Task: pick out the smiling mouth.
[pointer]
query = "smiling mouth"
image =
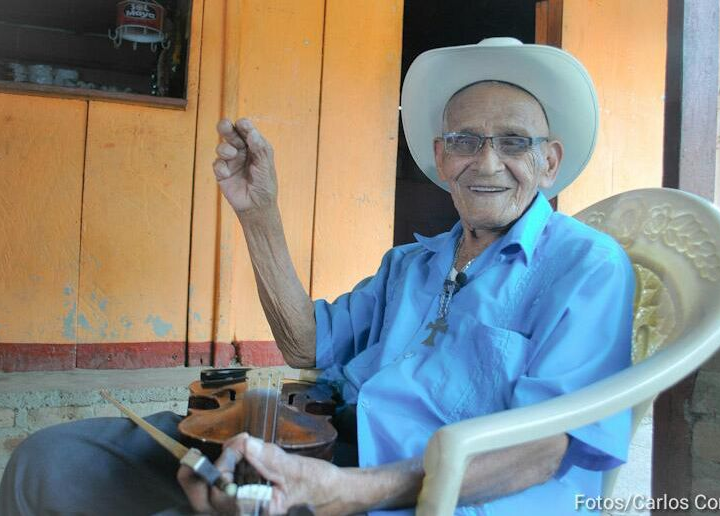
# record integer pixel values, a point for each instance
(487, 189)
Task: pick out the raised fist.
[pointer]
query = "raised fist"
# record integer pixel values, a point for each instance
(244, 168)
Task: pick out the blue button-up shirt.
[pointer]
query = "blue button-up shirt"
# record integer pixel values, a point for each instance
(546, 310)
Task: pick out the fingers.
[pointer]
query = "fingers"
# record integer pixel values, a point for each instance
(266, 458)
(195, 489)
(208, 500)
(221, 169)
(226, 151)
(227, 463)
(243, 139)
(226, 129)
(256, 143)
(237, 134)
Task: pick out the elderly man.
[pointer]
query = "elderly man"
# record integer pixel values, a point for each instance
(515, 305)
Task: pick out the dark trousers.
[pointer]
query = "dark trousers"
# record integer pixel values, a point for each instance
(108, 466)
(102, 466)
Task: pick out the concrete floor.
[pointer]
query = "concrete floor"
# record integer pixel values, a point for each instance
(635, 477)
(29, 401)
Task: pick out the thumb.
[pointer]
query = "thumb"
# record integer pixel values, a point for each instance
(266, 458)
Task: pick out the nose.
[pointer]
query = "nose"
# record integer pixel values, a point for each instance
(487, 159)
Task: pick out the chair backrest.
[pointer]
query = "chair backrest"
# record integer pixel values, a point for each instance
(671, 238)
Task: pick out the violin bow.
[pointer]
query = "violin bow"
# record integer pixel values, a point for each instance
(191, 457)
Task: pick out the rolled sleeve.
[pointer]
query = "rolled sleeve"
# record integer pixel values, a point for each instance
(588, 340)
(353, 321)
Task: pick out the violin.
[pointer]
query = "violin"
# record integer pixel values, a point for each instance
(295, 415)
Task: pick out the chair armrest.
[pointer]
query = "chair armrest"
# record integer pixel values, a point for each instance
(452, 446)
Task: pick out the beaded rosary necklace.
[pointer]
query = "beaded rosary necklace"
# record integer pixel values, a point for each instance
(452, 284)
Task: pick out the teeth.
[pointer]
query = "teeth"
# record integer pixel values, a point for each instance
(487, 188)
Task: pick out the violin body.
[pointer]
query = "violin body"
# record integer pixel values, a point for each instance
(298, 422)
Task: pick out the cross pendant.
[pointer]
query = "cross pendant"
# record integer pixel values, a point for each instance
(438, 326)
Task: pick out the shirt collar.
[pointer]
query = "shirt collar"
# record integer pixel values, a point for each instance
(525, 233)
(522, 236)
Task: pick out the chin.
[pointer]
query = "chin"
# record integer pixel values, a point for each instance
(495, 222)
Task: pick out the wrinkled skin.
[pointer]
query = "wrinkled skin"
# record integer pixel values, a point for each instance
(296, 480)
(495, 109)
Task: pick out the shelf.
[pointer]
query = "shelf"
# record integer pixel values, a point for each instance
(73, 34)
(85, 94)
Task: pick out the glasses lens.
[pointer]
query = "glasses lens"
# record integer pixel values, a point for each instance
(512, 145)
(461, 144)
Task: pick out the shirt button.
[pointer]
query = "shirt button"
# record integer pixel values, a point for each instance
(409, 354)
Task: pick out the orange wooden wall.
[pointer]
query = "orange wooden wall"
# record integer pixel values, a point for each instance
(42, 148)
(111, 227)
(622, 43)
(136, 217)
(355, 198)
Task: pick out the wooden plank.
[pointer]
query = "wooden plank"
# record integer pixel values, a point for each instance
(628, 69)
(554, 23)
(228, 242)
(279, 89)
(204, 238)
(27, 88)
(548, 22)
(689, 164)
(691, 102)
(136, 218)
(42, 145)
(541, 22)
(358, 142)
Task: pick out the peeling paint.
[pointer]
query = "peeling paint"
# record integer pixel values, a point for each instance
(125, 322)
(103, 329)
(196, 316)
(160, 327)
(83, 322)
(103, 304)
(69, 322)
(68, 290)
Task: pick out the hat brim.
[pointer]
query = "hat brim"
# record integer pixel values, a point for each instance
(553, 76)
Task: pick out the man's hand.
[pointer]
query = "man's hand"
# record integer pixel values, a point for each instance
(245, 168)
(295, 480)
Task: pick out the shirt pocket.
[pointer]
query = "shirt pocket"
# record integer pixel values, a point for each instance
(475, 370)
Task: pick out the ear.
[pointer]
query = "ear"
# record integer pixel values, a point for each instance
(439, 148)
(554, 155)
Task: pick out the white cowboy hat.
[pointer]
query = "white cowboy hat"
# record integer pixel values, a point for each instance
(554, 77)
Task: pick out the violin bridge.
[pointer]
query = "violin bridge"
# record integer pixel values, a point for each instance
(265, 378)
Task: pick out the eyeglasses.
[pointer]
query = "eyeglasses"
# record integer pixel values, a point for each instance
(465, 144)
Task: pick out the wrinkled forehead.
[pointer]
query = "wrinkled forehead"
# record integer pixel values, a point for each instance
(510, 89)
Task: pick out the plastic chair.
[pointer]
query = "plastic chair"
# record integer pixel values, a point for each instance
(671, 238)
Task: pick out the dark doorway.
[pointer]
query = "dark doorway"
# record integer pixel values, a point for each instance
(420, 206)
